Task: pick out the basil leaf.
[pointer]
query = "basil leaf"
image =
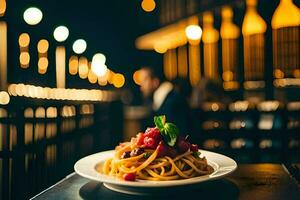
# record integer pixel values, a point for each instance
(159, 122)
(172, 133)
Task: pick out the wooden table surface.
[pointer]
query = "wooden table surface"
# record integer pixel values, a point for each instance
(249, 181)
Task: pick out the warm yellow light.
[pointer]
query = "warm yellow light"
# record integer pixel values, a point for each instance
(83, 68)
(43, 63)
(210, 34)
(102, 80)
(160, 47)
(137, 77)
(278, 73)
(99, 58)
(92, 77)
(73, 65)
(51, 112)
(4, 98)
(228, 29)
(60, 66)
(148, 5)
(118, 80)
(61, 33)
(287, 14)
(99, 70)
(24, 58)
(98, 64)
(33, 16)
(193, 32)
(43, 46)
(253, 23)
(110, 76)
(2, 7)
(79, 46)
(24, 40)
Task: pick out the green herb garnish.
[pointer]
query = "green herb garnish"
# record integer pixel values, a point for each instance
(169, 131)
(196, 154)
(146, 155)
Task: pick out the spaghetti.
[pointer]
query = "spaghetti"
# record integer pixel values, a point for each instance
(149, 157)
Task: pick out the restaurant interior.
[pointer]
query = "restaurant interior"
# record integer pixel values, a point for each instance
(71, 74)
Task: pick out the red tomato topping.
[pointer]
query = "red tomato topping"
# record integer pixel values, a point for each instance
(182, 144)
(129, 177)
(194, 147)
(140, 139)
(152, 138)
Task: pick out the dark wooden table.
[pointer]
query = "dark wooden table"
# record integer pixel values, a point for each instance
(251, 181)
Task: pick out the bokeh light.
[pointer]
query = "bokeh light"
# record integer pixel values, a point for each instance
(24, 59)
(61, 33)
(137, 77)
(98, 64)
(118, 80)
(83, 68)
(73, 65)
(33, 16)
(2, 7)
(43, 46)
(43, 63)
(4, 98)
(148, 5)
(193, 32)
(24, 40)
(79, 46)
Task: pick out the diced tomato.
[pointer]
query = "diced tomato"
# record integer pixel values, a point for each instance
(182, 144)
(194, 147)
(152, 132)
(129, 177)
(152, 138)
(140, 139)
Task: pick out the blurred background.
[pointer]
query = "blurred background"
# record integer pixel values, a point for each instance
(78, 77)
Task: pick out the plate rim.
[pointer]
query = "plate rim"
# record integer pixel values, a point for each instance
(219, 173)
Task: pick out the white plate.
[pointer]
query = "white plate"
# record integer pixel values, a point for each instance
(85, 167)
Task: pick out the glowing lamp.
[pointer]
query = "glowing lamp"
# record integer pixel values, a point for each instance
(61, 33)
(79, 46)
(33, 16)
(98, 64)
(193, 32)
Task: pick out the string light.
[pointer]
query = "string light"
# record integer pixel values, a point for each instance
(38, 92)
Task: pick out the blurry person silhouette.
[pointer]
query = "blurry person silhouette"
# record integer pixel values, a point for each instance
(165, 98)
